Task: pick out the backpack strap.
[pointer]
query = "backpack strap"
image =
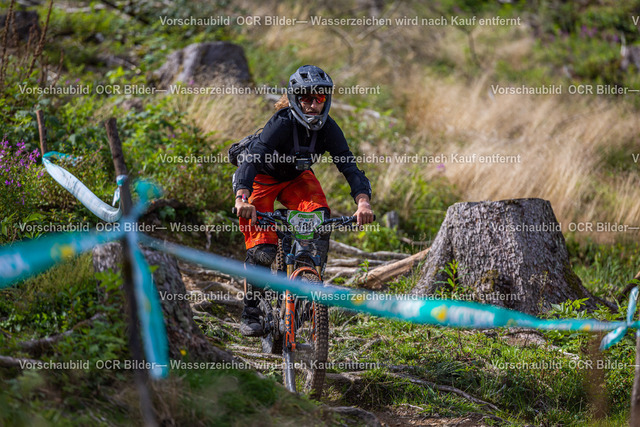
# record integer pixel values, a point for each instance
(296, 142)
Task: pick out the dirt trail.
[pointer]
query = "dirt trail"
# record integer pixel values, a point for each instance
(220, 295)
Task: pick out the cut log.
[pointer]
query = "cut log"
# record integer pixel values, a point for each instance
(509, 253)
(378, 276)
(335, 272)
(182, 331)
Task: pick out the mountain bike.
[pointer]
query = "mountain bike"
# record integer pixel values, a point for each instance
(296, 327)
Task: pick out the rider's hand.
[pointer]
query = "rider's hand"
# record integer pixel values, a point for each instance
(364, 212)
(246, 210)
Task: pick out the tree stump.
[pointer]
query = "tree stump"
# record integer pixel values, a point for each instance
(182, 332)
(509, 253)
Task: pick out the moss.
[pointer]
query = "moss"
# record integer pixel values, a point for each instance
(490, 277)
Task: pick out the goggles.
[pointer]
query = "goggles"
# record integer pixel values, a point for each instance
(308, 99)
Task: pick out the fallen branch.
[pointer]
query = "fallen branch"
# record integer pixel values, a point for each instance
(346, 338)
(344, 377)
(411, 242)
(260, 355)
(375, 278)
(446, 389)
(354, 377)
(353, 262)
(12, 362)
(340, 271)
(37, 347)
(350, 250)
(250, 363)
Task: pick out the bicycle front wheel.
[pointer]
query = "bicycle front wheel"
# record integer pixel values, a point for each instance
(312, 341)
(272, 308)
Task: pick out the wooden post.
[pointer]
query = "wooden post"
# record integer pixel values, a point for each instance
(635, 395)
(43, 132)
(135, 344)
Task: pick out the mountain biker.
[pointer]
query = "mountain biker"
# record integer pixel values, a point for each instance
(277, 167)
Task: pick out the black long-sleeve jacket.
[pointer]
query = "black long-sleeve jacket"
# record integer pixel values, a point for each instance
(273, 153)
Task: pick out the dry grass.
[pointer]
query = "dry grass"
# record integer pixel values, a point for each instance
(558, 138)
(228, 117)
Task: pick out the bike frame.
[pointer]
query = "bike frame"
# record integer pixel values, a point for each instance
(300, 261)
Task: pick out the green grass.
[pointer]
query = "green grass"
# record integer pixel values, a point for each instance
(67, 294)
(527, 383)
(604, 269)
(478, 363)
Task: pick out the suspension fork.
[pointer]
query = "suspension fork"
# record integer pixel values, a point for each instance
(290, 307)
(289, 315)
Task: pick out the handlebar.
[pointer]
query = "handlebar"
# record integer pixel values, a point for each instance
(273, 217)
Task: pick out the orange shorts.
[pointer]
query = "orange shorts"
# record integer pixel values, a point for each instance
(304, 194)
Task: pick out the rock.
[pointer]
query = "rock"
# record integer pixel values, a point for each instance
(200, 63)
(132, 104)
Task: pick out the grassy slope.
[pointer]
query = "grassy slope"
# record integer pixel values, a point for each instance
(430, 110)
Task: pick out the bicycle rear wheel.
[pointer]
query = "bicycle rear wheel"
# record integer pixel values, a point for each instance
(312, 341)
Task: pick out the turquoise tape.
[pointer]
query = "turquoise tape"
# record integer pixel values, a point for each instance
(80, 191)
(146, 191)
(614, 337)
(29, 258)
(58, 155)
(25, 259)
(459, 314)
(154, 334)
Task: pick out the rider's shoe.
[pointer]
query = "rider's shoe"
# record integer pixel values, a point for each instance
(251, 325)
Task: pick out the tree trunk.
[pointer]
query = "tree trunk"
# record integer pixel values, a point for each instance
(509, 253)
(377, 277)
(182, 332)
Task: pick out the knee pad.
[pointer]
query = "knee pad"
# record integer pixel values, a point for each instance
(263, 254)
